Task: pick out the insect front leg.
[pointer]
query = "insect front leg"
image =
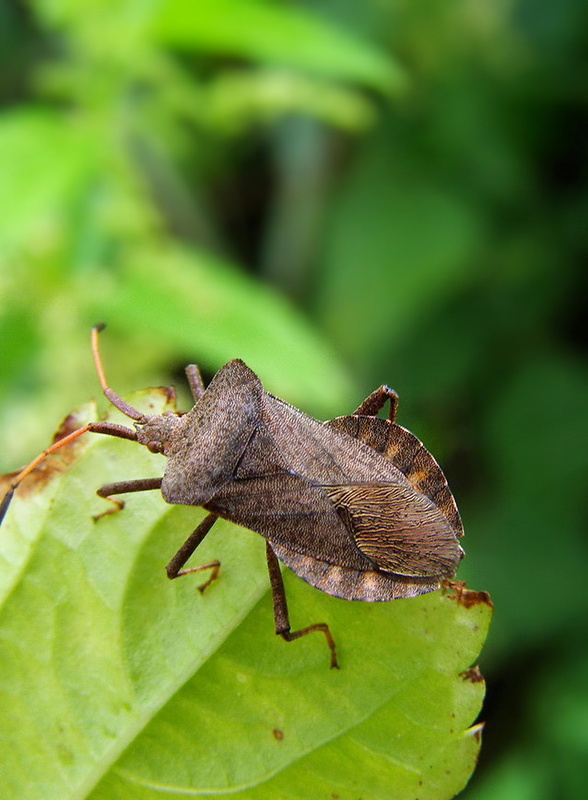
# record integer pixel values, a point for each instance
(122, 487)
(195, 381)
(281, 618)
(174, 568)
(375, 401)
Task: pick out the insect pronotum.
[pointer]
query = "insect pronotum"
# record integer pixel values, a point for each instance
(356, 505)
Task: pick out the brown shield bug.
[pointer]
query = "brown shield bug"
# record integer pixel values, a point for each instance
(356, 505)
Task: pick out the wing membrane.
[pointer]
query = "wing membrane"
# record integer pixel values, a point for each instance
(398, 529)
(408, 454)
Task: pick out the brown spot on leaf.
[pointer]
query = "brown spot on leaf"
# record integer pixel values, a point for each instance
(168, 393)
(458, 591)
(473, 675)
(68, 425)
(150, 399)
(278, 734)
(52, 464)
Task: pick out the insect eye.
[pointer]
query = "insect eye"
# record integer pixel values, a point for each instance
(155, 447)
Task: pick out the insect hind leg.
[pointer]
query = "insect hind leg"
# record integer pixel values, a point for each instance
(375, 401)
(281, 618)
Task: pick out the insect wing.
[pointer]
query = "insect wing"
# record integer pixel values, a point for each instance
(398, 529)
(408, 454)
(293, 511)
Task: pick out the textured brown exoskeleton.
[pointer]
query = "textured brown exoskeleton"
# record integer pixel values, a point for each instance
(356, 506)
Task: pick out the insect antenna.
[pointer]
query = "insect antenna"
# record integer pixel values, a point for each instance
(20, 476)
(108, 428)
(112, 396)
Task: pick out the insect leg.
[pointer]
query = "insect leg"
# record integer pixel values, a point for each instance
(140, 485)
(281, 618)
(195, 381)
(376, 401)
(174, 568)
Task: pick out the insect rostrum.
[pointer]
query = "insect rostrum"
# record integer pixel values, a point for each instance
(355, 505)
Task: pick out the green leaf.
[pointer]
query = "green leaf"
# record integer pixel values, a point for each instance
(237, 99)
(277, 34)
(116, 683)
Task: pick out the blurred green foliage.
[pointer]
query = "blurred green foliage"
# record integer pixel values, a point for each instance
(343, 194)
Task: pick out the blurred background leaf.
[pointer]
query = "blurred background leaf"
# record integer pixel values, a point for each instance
(277, 33)
(344, 194)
